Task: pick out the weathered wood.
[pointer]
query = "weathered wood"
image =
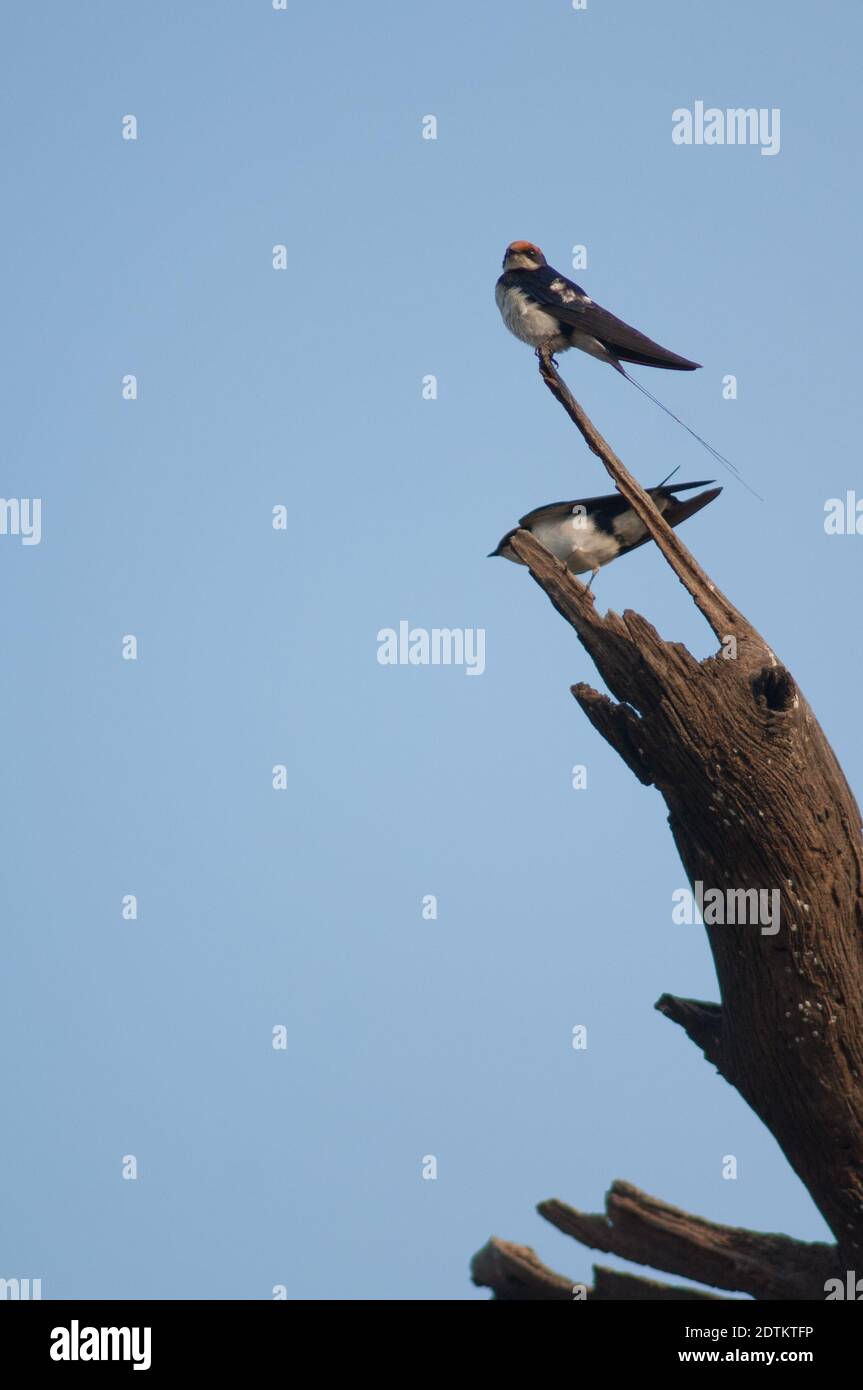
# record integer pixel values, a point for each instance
(640, 1228)
(756, 801)
(516, 1273)
(616, 1286)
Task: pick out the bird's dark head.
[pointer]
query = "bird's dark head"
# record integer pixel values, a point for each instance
(504, 549)
(523, 255)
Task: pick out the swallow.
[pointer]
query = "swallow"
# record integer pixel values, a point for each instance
(591, 532)
(542, 307)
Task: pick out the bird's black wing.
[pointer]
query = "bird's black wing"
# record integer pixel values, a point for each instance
(613, 503)
(569, 303)
(603, 511)
(669, 489)
(678, 511)
(611, 506)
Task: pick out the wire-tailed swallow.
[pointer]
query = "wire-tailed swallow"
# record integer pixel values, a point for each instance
(545, 309)
(589, 533)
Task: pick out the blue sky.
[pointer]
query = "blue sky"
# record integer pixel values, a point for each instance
(256, 388)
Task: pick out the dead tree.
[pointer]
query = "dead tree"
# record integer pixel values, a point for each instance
(756, 800)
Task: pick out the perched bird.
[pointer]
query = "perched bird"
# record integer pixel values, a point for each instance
(588, 533)
(543, 308)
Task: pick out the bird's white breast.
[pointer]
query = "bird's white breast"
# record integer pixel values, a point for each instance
(576, 541)
(526, 320)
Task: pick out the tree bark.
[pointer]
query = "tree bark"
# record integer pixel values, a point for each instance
(756, 801)
(643, 1229)
(516, 1274)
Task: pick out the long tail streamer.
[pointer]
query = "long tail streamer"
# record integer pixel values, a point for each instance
(720, 458)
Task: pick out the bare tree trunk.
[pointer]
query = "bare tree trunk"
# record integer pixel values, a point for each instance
(756, 801)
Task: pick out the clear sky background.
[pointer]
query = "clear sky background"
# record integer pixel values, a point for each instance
(302, 907)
